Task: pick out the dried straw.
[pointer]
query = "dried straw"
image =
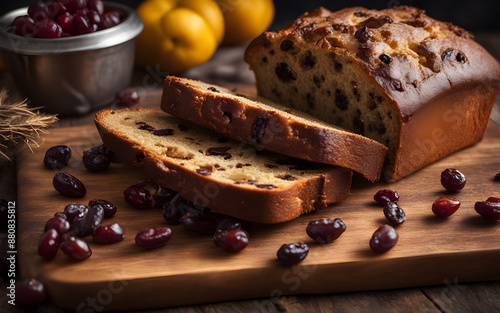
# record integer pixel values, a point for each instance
(21, 124)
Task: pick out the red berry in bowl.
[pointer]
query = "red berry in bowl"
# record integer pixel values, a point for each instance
(291, 254)
(38, 11)
(154, 237)
(110, 19)
(452, 179)
(232, 240)
(47, 29)
(74, 5)
(96, 5)
(445, 206)
(127, 97)
(385, 196)
(66, 21)
(24, 26)
(49, 244)
(30, 293)
(383, 239)
(325, 230)
(489, 209)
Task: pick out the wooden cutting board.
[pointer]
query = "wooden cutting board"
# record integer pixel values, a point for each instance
(190, 269)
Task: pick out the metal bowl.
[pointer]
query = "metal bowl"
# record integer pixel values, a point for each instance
(72, 75)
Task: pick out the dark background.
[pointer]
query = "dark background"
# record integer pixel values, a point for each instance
(472, 15)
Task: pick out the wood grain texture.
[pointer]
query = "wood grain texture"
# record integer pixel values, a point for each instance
(190, 269)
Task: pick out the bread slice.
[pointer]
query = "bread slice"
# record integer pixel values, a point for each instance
(268, 125)
(421, 87)
(226, 176)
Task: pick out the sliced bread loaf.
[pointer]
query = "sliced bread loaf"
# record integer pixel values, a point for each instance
(268, 125)
(226, 176)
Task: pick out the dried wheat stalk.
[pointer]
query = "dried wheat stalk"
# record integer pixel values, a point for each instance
(21, 124)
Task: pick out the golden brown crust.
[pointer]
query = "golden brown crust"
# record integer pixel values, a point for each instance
(237, 117)
(240, 201)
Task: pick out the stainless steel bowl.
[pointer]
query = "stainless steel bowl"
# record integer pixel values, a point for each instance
(72, 75)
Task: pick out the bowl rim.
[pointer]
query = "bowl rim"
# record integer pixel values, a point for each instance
(130, 27)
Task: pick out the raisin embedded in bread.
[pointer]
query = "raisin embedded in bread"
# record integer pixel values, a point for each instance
(422, 87)
(213, 171)
(271, 126)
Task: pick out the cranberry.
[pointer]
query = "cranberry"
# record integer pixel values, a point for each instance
(97, 6)
(49, 244)
(127, 97)
(68, 185)
(74, 5)
(290, 254)
(325, 230)
(385, 196)
(30, 293)
(110, 19)
(91, 220)
(154, 237)
(232, 240)
(59, 224)
(201, 224)
(102, 150)
(82, 25)
(96, 162)
(74, 210)
(229, 223)
(47, 29)
(108, 234)
(24, 26)
(75, 248)
(66, 21)
(177, 208)
(108, 208)
(383, 239)
(445, 206)
(138, 197)
(489, 209)
(163, 196)
(38, 11)
(57, 157)
(493, 199)
(394, 213)
(452, 179)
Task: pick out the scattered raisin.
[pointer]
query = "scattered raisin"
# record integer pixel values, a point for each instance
(325, 230)
(384, 196)
(108, 208)
(452, 179)
(153, 238)
(232, 240)
(68, 185)
(291, 254)
(445, 206)
(200, 224)
(394, 213)
(57, 157)
(30, 293)
(383, 239)
(96, 162)
(489, 209)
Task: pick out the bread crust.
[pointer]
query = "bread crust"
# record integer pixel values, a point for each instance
(240, 201)
(284, 133)
(431, 62)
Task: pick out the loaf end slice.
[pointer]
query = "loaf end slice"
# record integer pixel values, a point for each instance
(213, 171)
(422, 87)
(268, 125)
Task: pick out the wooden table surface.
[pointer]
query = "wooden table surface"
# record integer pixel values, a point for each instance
(227, 68)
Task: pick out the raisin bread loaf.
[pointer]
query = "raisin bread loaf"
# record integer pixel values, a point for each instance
(268, 125)
(226, 176)
(422, 87)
